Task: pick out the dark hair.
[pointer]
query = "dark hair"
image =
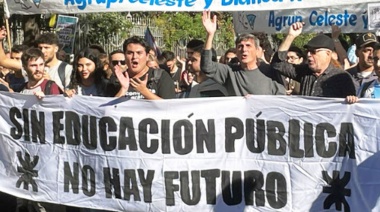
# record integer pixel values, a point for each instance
(376, 47)
(199, 49)
(161, 60)
(195, 43)
(47, 38)
(168, 55)
(31, 53)
(265, 45)
(136, 40)
(297, 50)
(93, 56)
(117, 51)
(230, 50)
(19, 48)
(98, 49)
(104, 59)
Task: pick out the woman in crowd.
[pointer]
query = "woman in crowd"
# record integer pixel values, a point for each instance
(87, 75)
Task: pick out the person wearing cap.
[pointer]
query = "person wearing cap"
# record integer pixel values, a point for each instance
(318, 77)
(243, 78)
(370, 89)
(363, 72)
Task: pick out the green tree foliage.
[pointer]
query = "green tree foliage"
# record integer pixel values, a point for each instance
(226, 32)
(104, 25)
(185, 26)
(180, 27)
(300, 41)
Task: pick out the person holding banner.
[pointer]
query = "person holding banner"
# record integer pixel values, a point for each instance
(56, 70)
(242, 79)
(87, 75)
(34, 64)
(363, 71)
(318, 77)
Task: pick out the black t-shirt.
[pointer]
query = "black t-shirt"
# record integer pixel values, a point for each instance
(159, 82)
(3, 87)
(208, 88)
(112, 86)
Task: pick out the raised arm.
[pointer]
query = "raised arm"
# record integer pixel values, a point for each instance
(340, 51)
(209, 23)
(294, 31)
(279, 61)
(217, 71)
(4, 60)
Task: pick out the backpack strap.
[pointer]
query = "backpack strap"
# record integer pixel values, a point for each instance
(47, 89)
(61, 73)
(157, 73)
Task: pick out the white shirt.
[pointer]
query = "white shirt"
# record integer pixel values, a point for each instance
(54, 75)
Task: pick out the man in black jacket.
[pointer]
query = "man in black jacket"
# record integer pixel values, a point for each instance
(318, 77)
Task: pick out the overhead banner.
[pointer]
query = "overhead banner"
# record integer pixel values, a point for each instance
(95, 6)
(260, 153)
(350, 18)
(374, 16)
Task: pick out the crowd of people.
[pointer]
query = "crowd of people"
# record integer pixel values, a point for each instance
(322, 70)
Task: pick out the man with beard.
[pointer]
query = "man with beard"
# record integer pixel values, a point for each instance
(370, 89)
(56, 70)
(140, 81)
(33, 63)
(318, 77)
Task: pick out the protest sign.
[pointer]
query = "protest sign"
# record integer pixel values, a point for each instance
(223, 154)
(350, 18)
(66, 29)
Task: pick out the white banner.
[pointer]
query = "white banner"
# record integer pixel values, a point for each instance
(261, 153)
(350, 18)
(94, 6)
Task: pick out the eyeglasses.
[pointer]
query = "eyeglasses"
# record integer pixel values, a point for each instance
(116, 62)
(314, 51)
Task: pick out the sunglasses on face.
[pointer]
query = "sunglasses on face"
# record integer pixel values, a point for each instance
(116, 62)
